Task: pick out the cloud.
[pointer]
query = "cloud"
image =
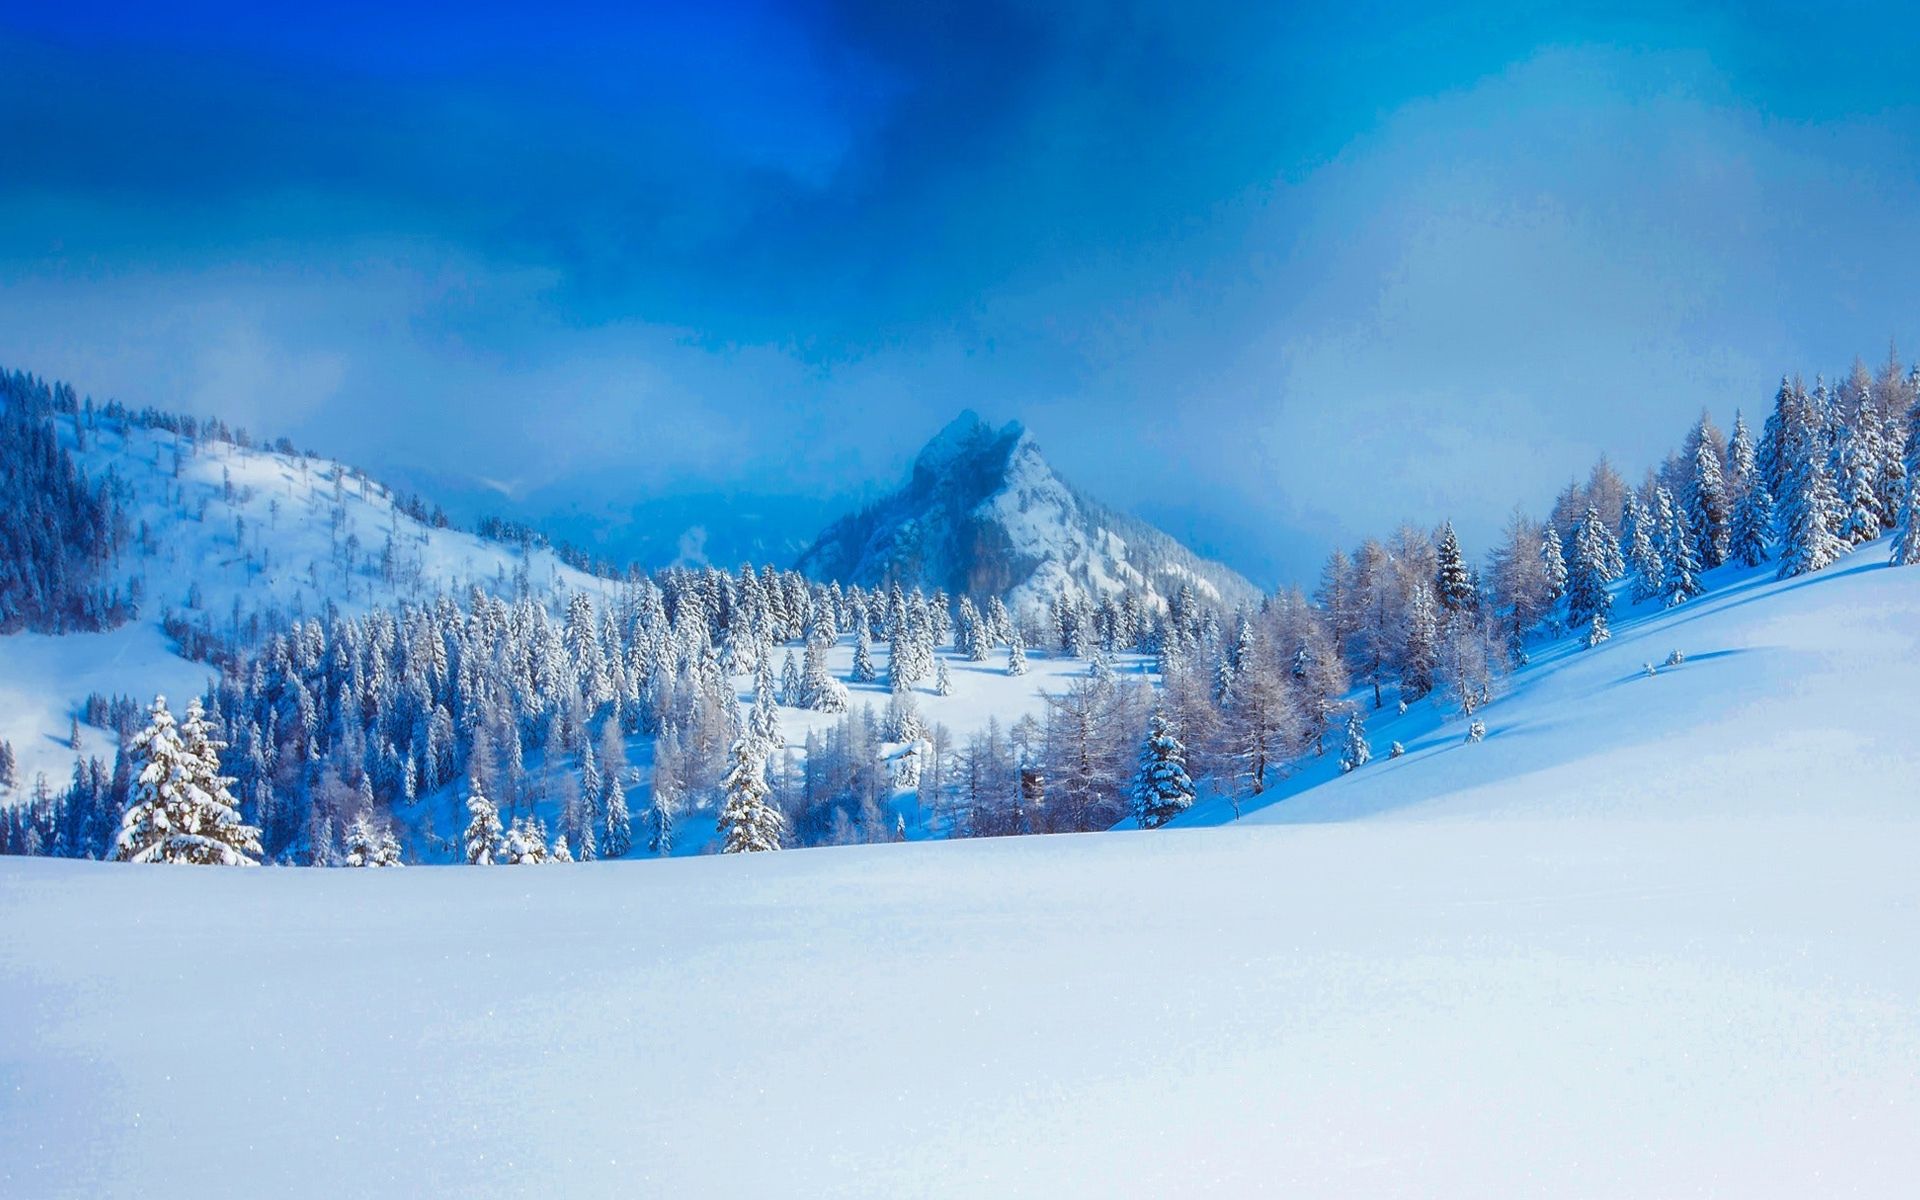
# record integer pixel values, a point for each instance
(1274, 278)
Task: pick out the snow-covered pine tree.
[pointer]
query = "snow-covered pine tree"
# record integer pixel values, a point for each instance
(1808, 507)
(1682, 580)
(371, 843)
(763, 720)
(1355, 752)
(1906, 534)
(1742, 459)
(1597, 630)
(525, 844)
(1643, 559)
(1588, 573)
(824, 693)
(1752, 525)
(1453, 583)
(616, 831)
(181, 811)
(792, 692)
(664, 805)
(1707, 509)
(863, 668)
(1017, 655)
(1555, 563)
(1163, 789)
(1750, 528)
(942, 679)
(999, 621)
(1857, 471)
(618, 838)
(484, 833)
(748, 822)
(902, 721)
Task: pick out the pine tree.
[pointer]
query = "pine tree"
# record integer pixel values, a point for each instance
(1649, 569)
(1808, 506)
(484, 833)
(1682, 581)
(763, 720)
(1588, 573)
(371, 843)
(863, 669)
(182, 811)
(823, 692)
(1555, 563)
(748, 822)
(1162, 790)
(1752, 525)
(792, 692)
(942, 679)
(524, 845)
(1355, 752)
(1453, 584)
(1857, 468)
(1707, 508)
(1906, 534)
(1017, 655)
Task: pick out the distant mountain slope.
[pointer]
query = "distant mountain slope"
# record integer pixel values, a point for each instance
(224, 538)
(982, 513)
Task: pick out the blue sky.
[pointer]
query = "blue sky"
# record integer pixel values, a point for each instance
(1274, 279)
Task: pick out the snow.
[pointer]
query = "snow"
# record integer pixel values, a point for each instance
(982, 691)
(286, 557)
(983, 511)
(1654, 936)
(1790, 689)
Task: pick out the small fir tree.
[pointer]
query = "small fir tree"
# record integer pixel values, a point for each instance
(484, 832)
(182, 811)
(748, 821)
(1163, 789)
(1355, 752)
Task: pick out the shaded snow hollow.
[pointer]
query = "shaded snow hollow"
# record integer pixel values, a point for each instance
(1655, 936)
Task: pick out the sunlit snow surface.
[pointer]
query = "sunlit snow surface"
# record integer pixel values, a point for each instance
(1657, 936)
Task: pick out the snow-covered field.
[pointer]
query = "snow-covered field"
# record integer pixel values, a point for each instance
(1654, 937)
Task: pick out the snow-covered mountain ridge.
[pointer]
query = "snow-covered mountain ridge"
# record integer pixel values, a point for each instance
(983, 514)
(225, 539)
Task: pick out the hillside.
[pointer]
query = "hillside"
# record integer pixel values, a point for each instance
(1652, 937)
(983, 514)
(224, 539)
(1789, 693)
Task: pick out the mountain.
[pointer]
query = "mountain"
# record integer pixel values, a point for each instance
(982, 513)
(228, 538)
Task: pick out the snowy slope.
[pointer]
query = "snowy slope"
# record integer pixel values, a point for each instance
(1655, 936)
(234, 531)
(983, 514)
(1789, 690)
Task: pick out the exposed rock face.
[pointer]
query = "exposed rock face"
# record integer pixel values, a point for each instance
(983, 514)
